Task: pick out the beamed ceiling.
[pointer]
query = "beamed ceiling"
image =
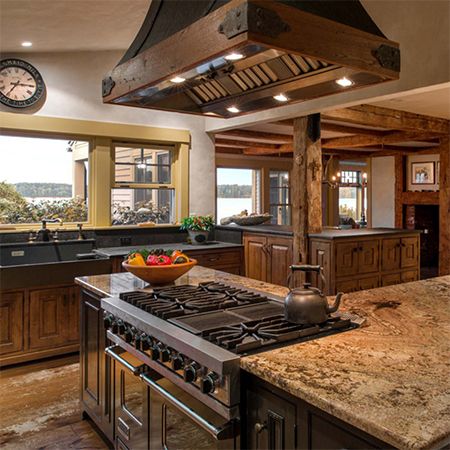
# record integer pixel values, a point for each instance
(357, 132)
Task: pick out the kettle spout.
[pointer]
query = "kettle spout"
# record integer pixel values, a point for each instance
(336, 303)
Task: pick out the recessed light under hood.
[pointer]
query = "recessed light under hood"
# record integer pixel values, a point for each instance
(300, 48)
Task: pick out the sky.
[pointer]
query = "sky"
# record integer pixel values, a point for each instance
(234, 176)
(34, 160)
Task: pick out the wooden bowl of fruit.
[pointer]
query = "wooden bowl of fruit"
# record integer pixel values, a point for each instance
(158, 266)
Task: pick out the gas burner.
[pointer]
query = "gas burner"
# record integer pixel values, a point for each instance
(254, 334)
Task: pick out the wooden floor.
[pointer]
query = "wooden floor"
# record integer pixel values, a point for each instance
(39, 408)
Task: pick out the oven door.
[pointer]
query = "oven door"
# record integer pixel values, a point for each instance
(178, 421)
(131, 401)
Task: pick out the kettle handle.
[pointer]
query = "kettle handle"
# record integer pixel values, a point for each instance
(306, 268)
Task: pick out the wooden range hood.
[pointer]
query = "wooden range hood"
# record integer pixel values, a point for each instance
(292, 47)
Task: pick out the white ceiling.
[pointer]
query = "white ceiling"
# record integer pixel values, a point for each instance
(434, 103)
(70, 25)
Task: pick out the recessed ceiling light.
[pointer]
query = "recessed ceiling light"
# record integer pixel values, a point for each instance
(344, 82)
(280, 98)
(26, 44)
(234, 56)
(233, 109)
(178, 80)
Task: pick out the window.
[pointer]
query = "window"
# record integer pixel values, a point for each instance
(352, 195)
(144, 189)
(237, 190)
(280, 205)
(43, 178)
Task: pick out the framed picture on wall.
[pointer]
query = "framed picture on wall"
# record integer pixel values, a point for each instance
(422, 172)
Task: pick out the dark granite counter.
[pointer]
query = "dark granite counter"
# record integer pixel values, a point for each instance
(360, 232)
(283, 230)
(389, 378)
(123, 251)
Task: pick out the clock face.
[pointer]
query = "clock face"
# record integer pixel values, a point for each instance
(21, 85)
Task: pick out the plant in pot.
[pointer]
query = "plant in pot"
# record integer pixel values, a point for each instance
(198, 228)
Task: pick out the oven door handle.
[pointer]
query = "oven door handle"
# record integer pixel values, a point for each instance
(112, 352)
(218, 433)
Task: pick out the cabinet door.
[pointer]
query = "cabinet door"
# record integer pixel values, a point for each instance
(280, 258)
(48, 321)
(73, 315)
(11, 322)
(255, 257)
(270, 421)
(368, 256)
(320, 254)
(410, 252)
(95, 366)
(346, 259)
(368, 283)
(347, 286)
(390, 254)
(390, 279)
(409, 275)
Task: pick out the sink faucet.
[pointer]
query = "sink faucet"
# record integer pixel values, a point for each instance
(44, 232)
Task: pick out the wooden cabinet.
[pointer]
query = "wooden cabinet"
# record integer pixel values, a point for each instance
(95, 366)
(37, 323)
(271, 421)
(47, 317)
(355, 263)
(274, 419)
(255, 256)
(267, 258)
(11, 322)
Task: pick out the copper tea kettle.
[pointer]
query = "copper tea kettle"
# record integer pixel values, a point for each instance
(308, 305)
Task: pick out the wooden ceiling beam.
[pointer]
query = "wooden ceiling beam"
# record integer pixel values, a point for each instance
(230, 150)
(257, 135)
(390, 119)
(243, 144)
(367, 141)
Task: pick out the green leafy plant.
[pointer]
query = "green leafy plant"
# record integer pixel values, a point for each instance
(15, 209)
(197, 223)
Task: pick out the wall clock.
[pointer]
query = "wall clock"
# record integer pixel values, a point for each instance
(21, 85)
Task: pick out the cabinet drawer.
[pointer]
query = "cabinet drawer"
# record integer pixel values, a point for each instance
(368, 283)
(217, 258)
(347, 286)
(410, 275)
(390, 279)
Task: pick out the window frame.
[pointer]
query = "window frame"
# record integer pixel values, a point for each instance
(137, 185)
(263, 164)
(100, 136)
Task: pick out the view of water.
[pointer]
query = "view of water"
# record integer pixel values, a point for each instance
(230, 206)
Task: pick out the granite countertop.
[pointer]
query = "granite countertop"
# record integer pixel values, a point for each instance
(389, 378)
(123, 251)
(327, 233)
(284, 230)
(359, 232)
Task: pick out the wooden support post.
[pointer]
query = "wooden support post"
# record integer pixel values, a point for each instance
(444, 207)
(399, 183)
(306, 184)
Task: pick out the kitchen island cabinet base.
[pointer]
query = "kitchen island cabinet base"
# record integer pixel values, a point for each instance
(272, 418)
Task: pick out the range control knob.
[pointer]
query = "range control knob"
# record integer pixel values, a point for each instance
(115, 327)
(190, 372)
(164, 353)
(154, 352)
(128, 335)
(177, 362)
(208, 383)
(146, 342)
(108, 320)
(121, 326)
(137, 341)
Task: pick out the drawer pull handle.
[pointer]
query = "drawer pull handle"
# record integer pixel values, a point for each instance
(260, 427)
(214, 259)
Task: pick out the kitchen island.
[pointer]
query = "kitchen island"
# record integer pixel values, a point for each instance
(387, 379)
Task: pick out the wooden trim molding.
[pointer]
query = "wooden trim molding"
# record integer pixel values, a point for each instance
(444, 207)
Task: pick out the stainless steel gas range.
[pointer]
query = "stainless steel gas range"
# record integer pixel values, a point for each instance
(177, 354)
